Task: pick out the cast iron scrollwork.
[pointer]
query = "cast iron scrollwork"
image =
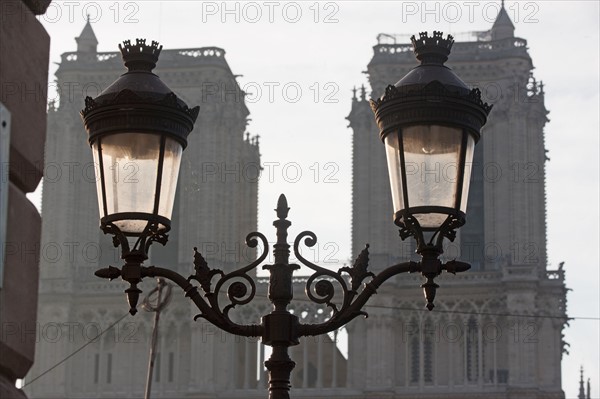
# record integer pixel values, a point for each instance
(151, 233)
(410, 227)
(203, 274)
(322, 281)
(430, 265)
(281, 328)
(358, 272)
(237, 290)
(133, 256)
(322, 278)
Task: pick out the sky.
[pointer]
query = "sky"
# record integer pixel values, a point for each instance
(300, 60)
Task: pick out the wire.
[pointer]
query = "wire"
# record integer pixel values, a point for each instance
(77, 351)
(537, 316)
(437, 310)
(367, 306)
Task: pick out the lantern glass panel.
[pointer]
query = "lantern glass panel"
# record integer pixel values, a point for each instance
(130, 166)
(96, 155)
(431, 162)
(468, 169)
(432, 155)
(395, 170)
(172, 161)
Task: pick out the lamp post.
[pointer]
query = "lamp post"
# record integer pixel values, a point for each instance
(139, 125)
(429, 117)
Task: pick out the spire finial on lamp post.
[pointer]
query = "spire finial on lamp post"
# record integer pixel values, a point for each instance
(432, 49)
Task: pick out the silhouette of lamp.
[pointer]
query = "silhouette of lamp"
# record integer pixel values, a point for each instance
(429, 120)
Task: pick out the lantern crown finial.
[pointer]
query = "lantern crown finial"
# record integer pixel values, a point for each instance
(434, 49)
(140, 56)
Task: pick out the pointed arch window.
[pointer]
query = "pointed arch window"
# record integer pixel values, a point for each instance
(428, 348)
(157, 367)
(171, 372)
(96, 368)
(472, 350)
(415, 359)
(109, 368)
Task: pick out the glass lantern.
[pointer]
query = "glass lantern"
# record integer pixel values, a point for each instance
(430, 122)
(138, 130)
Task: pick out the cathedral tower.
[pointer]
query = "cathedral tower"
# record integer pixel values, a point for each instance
(452, 349)
(215, 207)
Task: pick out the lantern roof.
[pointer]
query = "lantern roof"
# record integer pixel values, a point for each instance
(433, 53)
(139, 84)
(138, 100)
(430, 93)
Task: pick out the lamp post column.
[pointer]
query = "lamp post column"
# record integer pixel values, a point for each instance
(281, 327)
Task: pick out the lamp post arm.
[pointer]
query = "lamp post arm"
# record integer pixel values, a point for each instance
(239, 284)
(281, 328)
(208, 312)
(354, 309)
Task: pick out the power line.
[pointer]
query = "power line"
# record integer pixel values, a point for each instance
(437, 310)
(538, 316)
(77, 351)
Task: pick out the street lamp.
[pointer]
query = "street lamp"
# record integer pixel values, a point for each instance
(138, 130)
(430, 122)
(429, 119)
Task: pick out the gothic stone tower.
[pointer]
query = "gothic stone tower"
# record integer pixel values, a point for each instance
(478, 341)
(216, 206)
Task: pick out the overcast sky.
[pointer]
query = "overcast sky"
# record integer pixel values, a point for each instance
(300, 61)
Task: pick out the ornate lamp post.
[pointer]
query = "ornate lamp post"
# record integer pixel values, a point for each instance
(430, 121)
(139, 126)
(428, 118)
